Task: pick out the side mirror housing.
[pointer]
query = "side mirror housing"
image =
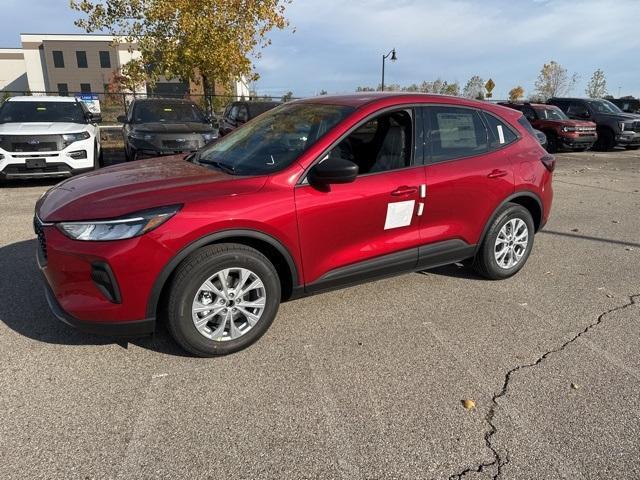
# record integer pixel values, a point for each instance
(333, 171)
(96, 118)
(121, 119)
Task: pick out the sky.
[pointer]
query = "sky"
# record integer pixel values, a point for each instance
(338, 45)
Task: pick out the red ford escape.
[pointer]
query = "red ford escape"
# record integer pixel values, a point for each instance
(314, 195)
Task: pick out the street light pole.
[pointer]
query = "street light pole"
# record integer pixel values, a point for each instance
(392, 53)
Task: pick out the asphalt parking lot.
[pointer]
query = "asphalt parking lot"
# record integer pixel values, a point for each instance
(362, 383)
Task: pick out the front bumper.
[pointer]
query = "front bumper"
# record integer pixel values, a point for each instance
(76, 296)
(27, 165)
(167, 145)
(628, 139)
(579, 142)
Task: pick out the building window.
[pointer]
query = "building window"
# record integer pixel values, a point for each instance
(58, 59)
(105, 59)
(63, 89)
(85, 88)
(81, 56)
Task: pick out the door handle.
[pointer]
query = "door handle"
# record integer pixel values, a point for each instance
(497, 173)
(401, 191)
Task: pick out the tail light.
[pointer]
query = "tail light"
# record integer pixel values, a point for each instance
(549, 161)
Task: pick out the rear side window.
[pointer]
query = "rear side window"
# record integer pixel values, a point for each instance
(499, 133)
(525, 123)
(455, 132)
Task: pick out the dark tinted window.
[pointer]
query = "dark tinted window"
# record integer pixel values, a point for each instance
(500, 133)
(63, 89)
(455, 132)
(382, 144)
(81, 57)
(529, 113)
(243, 114)
(258, 108)
(42, 112)
(273, 141)
(577, 109)
(85, 88)
(525, 123)
(105, 59)
(58, 59)
(167, 112)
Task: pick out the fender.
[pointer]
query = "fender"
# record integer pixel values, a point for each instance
(521, 193)
(168, 269)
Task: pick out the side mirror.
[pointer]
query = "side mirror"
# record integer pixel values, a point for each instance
(333, 170)
(584, 115)
(96, 117)
(121, 119)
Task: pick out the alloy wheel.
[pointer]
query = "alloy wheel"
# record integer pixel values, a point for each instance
(511, 243)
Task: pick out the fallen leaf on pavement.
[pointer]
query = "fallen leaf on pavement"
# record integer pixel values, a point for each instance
(469, 404)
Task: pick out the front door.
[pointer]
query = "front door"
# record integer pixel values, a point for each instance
(367, 228)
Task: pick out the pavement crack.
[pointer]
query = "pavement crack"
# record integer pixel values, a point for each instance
(499, 460)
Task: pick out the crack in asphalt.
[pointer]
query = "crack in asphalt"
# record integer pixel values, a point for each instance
(498, 461)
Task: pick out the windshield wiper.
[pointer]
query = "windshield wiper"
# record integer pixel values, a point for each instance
(225, 167)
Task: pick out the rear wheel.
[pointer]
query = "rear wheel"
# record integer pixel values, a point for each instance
(507, 244)
(130, 154)
(223, 298)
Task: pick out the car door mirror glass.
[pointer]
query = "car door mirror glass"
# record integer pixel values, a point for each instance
(121, 119)
(333, 171)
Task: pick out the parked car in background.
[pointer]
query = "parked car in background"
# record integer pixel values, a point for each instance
(628, 105)
(47, 137)
(162, 126)
(560, 130)
(614, 127)
(343, 186)
(238, 113)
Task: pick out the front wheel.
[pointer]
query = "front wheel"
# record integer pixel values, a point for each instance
(507, 244)
(223, 298)
(552, 142)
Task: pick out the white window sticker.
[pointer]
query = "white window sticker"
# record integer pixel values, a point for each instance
(399, 214)
(500, 134)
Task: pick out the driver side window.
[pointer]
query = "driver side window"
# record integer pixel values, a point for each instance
(381, 144)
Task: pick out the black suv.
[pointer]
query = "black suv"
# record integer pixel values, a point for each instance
(238, 113)
(615, 127)
(629, 105)
(162, 126)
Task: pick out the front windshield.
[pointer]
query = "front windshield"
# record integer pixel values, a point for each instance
(551, 113)
(273, 140)
(31, 112)
(604, 106)
(167, 112)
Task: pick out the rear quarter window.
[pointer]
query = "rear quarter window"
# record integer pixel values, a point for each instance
(455, 132)
(500, 134)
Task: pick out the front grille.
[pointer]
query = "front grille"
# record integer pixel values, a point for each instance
(32, 143)
(42, 238)
(174, 144)
(21, 168)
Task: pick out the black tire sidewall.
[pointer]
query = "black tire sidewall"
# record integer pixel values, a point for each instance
(488, 257)
(184, 290)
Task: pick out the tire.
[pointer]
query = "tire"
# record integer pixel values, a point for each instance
(634, 147)
(188, 291)
(97, 157)
(130, 154)
(606, 140)
(552, 142)
(485, 262)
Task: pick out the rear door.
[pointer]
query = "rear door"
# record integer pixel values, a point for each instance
(468, 174)
(367, 228)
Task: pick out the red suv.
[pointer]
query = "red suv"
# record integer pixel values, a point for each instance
(314, 195)
(561, 131)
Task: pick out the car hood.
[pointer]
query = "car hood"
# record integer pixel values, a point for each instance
(122, 189)
(158, 127)
(41, 128)
(570, 123)
(621, 116)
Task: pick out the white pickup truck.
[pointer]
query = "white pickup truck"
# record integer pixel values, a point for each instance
(47, 137)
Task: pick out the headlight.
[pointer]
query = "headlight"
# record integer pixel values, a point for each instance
(119, 228)
(69, 138)
(140, 135)
(207, 137)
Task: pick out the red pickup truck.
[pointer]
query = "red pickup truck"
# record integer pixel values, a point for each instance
(561, 131)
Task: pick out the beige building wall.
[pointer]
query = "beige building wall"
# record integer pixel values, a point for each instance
(13, 73)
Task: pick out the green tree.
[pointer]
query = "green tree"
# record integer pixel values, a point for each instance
(597, 86)
(287, 96)
(188, 39)
(554, 80)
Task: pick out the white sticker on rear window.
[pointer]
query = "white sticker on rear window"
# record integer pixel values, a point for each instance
(500, 134)
(399, 214)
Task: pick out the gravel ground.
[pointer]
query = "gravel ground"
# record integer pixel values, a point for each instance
(365, 382)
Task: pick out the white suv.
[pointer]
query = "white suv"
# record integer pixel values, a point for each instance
(47, 137)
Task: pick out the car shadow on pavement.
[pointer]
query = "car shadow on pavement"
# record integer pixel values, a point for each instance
(24, 309)
(454, 270)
